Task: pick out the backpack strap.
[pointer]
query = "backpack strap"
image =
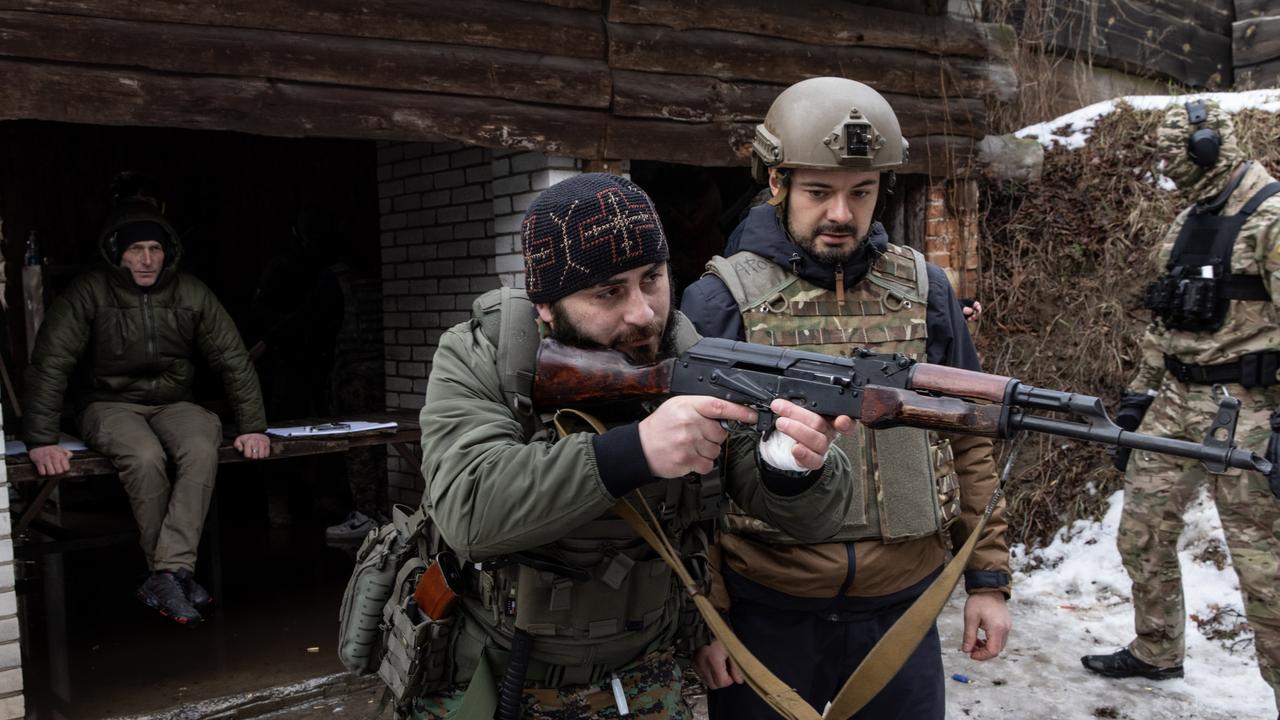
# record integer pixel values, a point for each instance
(509, 321)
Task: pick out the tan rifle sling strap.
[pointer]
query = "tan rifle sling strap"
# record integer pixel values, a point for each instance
(876, 669)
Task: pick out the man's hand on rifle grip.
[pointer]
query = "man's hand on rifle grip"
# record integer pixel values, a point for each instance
(684, 434)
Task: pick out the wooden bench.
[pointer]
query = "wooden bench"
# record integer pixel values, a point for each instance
(405, 438)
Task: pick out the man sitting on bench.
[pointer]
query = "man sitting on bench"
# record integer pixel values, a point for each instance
(132, 330)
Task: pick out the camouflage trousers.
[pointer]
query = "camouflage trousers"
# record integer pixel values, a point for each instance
(1158, 489)
(652, 686)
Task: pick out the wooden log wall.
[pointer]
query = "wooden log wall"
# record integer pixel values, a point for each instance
(672, 80)
(1187, 41)
(1255, 39)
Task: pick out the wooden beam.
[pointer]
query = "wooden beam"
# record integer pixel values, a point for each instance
(575, 4)
(99, 96)
(821, 22)
(1214, 16)
(696, 98)
(1264, 75)
(356, 62)
(486, 23)
(1136, 37)
(714, 144)
(1246, 9)
(735, 56)
(1256, 40)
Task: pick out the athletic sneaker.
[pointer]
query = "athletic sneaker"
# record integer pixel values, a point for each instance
(198, 596)
(163, 593)
(354, 527)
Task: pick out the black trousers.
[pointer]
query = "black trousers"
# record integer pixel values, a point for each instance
(815, 653)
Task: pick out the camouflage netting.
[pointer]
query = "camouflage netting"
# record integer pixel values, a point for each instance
(1065, 263)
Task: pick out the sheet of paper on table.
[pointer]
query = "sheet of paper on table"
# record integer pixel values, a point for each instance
(338, 428)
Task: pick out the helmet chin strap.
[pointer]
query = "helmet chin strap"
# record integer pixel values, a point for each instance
(888, 180)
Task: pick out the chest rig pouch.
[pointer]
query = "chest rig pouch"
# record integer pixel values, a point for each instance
(904, 480)
(1198, 286)
(597, 597)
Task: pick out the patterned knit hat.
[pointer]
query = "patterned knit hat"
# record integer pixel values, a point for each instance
(585, 230)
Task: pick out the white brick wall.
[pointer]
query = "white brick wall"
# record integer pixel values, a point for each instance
(12, 705)
(450, 231)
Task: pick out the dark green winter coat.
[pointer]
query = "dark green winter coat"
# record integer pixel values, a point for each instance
(107, 339)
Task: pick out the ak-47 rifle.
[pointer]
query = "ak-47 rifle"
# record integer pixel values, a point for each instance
(880, 391)
(877, 389)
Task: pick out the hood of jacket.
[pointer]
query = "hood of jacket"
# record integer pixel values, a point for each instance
(764, 234)
(1199, 183)
(127, 214)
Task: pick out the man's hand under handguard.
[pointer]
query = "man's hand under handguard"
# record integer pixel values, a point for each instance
(254, 446)
(812, 435)
(50, 459)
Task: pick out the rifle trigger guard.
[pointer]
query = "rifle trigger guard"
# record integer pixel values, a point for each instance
(1224, 422)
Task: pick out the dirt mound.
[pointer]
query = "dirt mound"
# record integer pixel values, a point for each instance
(1064, 265)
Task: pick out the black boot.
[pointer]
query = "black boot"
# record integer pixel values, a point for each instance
(1123, 664)
(163, 592)
(196, 594)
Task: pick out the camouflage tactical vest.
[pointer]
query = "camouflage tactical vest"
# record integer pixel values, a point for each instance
(904, 479)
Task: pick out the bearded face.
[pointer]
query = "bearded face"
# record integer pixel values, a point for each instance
(829, 212)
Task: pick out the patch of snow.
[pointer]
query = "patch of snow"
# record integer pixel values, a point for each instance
(1072, 598)
(1072, 129)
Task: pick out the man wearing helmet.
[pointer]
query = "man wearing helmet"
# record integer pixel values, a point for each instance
(815, 271)
(1215, 329)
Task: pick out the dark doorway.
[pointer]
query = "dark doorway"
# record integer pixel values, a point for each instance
(90, 649)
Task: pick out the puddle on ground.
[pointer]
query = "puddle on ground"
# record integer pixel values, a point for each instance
(92, 650)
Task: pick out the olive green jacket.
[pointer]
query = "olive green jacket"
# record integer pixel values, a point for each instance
(492, 491)
(106, 339)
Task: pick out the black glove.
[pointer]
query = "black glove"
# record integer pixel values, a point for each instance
(1273, 454)
(1133, 407)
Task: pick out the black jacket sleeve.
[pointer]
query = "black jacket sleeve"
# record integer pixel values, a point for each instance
(710, 307)
(949, 341)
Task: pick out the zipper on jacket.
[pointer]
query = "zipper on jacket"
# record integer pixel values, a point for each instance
(148, 326)
(840, 287)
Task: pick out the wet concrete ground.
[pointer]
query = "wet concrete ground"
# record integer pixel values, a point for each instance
(91, 650)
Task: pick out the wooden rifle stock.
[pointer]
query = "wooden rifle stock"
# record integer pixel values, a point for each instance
(569, 376)
(885, 407)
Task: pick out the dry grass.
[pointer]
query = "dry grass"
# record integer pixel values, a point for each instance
(1064, 265)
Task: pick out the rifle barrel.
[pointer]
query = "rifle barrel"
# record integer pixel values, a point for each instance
(1229, 457)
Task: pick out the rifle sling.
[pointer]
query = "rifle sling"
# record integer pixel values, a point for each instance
(876, 669)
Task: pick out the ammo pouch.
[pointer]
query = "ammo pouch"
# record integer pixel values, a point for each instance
(1196, 291)
(415, 661)
(379, 626)
(1186, 302)
(377, 561)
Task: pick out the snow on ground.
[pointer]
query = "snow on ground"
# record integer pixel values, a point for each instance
(1072, 598)
(1072, 129)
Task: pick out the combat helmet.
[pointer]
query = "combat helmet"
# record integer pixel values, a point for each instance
(827, 123)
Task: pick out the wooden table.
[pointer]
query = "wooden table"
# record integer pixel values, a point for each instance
(405, 438)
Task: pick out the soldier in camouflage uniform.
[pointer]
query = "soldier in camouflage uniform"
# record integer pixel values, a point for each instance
(815, 272)
(1194, 350)
(546, 559)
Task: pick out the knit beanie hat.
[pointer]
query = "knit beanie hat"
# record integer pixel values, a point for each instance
(140, 231)
(585, 230)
